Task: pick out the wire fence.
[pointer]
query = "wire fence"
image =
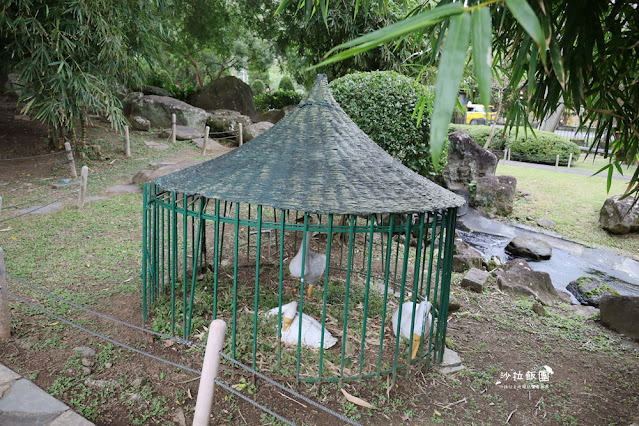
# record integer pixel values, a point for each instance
(30, 211)
(218, 381)
(51, 154)
(549, 159)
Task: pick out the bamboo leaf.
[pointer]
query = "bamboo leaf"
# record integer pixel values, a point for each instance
(448, 79)
(532, 69)
(524, 14)
(356, 400)
(558, 63)
(482, 39)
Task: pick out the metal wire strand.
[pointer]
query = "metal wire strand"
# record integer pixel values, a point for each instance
(15, 206)
(41, 207)
(34, 156)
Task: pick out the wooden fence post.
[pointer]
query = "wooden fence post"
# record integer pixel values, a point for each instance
(241, 135)
(214, 345)
(206, 139)
(569, 160)
(83, 186)
(505, 155)
(509, 154)
(0, 204)
(173, 128)
(67, 148)
(5, 317)
(127, 142)
(557, 163)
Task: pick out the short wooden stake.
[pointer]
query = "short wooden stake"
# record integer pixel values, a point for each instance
(67, 148)
(83, 186)
(206, 139)
(240, 136)
(5, 317)
(127, 142)
(569, 160)
(0, 204)
(214, 345)
(557, 162)
(173, 127)
(508, 154)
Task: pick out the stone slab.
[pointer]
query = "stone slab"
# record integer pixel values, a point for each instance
(157, 145)
(26, 397)
(70, 418)
(451, 359)
(21, 419)
(7, 375)
(51, 208)
(162, 163)
(451, 370)
(123, 189)
(475, 279)
(94, 199)
(58, 185)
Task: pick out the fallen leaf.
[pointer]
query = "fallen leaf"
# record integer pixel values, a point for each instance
(53, 323)
(14, 238)
(168, 343)
(126, 281)
(6, 229)
(240, 386)
(406, 417)
(437, 413)
(355, 400)
(188, 393)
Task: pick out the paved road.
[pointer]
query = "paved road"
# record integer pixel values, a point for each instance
(23, 403)
(561, 169)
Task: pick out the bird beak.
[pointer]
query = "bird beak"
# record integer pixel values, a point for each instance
(287, 323)
(310, 290)
(417, 339)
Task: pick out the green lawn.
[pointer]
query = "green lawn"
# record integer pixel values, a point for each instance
(573, 201)
(594, 164)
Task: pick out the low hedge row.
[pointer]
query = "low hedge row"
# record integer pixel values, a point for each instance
(542, 147)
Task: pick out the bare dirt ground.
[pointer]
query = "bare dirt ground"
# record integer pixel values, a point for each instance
(595, 377)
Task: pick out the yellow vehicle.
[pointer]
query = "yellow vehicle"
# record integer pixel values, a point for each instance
(476, 114)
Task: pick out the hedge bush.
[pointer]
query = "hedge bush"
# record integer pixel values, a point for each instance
(286, 84)
(542, 149)
(382, 104)
(278, 99)
(258, 87)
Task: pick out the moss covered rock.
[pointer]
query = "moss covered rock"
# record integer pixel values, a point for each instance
(589, 290)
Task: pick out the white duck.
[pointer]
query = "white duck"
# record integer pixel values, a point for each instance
(311, 328)
(404, 326)
(315, 265)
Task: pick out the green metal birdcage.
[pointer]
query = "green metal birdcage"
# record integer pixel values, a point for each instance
(311, 203)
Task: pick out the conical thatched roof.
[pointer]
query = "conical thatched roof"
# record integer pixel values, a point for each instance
(314, 160)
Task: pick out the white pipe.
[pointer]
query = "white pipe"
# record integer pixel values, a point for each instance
(214, 346)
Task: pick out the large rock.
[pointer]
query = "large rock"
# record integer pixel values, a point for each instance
(494, 195)
(256, 129)
(466, 257)
(619, 216)
(225, 120)
(225, 93)
(272, 116)
(517, 277)
(621, 313)
(140, 123)
(475, 279)
(529, 248)
(467, 162)
(158, 110)
(154, 90)
(589, 290)
(183, 133)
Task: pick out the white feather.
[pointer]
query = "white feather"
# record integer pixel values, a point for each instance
(421, 314)
(314, 263)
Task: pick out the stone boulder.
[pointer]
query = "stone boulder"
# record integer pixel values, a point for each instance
(517, 277)
(475, 280)
(158, 110)
(589, 290)
(225, 120)
(140, 123)
(154, 90)
(529, 248)
(466, 257)
(256, 129)
(272, 116)
(128, 99)
(183, 133)
(621, 313)
(619, 216)
(225, 93)
(467, 162)
(148, 175)
(494, 195)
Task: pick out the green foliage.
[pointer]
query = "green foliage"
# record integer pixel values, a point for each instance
(540, 147)
(179, 91)
(382, 104)
(286, 84)
(278, 99)
(258, 87)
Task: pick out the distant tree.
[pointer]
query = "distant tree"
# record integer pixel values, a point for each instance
(286, 83)
(258, 87)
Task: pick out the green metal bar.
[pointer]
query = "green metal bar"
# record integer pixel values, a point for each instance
(257, 280)
(365, 244)
(156, 288)
(195, 260)
(174, 256)
(235, 262)
(145, 314)
(329, 240)
(223, 231)
(389, 242)
(163, 266)
(216, 260)
(448, 258)
(368, 287)
(415, 286)
(436, 292)
(432, 253)
(185, 243)
(428, 219)
(248, 236)
(401, 298)
(281, 279)
(302, 272)
(351, 246)
(396, 261)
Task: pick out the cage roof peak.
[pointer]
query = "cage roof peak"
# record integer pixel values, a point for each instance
(315, 160)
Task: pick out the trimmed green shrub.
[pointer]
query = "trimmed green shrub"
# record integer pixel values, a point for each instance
(382, 104)
(286, 84)
(542, 147)
(258, 87)
(278, 99)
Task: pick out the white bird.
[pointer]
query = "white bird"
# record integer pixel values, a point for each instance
(404, 326)
(311, 328)
(314, 265)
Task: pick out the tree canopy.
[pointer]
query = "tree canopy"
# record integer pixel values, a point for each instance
(585, 54)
